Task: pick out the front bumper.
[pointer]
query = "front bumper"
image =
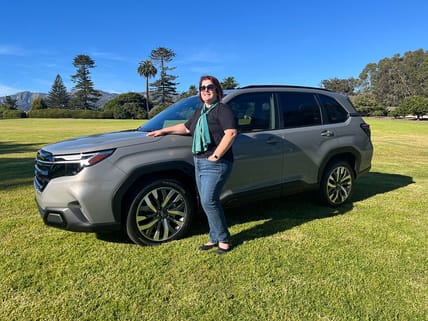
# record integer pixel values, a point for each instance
(72, 219)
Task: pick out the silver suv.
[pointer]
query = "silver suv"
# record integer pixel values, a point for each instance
(290, 139)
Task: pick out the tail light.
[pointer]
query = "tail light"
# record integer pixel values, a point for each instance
(366, 128)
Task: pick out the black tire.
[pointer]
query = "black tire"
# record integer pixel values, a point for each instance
(337, 184)
(160, 211)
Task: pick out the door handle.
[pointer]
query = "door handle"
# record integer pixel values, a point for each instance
(327, 133)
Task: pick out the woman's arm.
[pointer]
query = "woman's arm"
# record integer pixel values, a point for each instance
(179, 129)
(224, 145)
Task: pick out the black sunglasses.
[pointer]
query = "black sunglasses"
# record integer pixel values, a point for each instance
(209, 87)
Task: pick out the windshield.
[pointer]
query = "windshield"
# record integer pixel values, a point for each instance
(177, 113)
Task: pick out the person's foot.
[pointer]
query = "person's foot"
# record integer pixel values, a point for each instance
(207, 246)
(223, 247)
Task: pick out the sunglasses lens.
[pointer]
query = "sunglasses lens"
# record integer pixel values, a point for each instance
(209, 87)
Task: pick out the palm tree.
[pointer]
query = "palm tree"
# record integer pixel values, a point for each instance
(147, 69)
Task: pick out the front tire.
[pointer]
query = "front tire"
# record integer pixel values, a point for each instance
(337, 184)
(160, 211)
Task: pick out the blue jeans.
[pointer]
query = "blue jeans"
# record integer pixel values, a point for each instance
(210, 179)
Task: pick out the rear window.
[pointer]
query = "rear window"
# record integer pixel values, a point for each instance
(334, 112)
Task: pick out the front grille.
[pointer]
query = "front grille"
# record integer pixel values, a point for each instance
(48, 167)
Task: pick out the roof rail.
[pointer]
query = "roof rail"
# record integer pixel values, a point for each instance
(284, 86)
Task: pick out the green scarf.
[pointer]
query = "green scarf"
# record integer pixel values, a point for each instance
(201, 136)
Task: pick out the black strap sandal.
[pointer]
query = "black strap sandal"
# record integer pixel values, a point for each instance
(221, 251)
(207, 247)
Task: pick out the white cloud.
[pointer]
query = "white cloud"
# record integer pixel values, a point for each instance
(7, 91)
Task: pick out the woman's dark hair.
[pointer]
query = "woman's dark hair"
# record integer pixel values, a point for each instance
(216, 83)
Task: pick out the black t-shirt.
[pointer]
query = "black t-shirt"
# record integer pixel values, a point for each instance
(219, 119)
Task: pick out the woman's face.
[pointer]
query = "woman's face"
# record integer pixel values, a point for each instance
(208, 91)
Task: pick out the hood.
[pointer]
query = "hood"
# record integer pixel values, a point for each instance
(100, 142)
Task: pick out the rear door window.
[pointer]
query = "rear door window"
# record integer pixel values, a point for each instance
(298, 109)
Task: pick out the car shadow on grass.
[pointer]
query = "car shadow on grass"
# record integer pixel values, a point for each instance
(279, 215)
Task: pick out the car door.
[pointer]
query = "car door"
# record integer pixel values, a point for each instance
(258, 148)
(305, 140)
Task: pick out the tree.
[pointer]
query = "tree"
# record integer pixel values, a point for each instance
(415, 105)
(366, 77)
(367, 105)
(129, 105)
(38, 104)
(58, 96)
(191, 92)
(229, 83)
(344, 86)
(393, 79)
(165, 87)
(415, 67)
(147, 69)
(85, 96)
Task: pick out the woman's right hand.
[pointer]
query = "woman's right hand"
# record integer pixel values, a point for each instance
(155, 133)
(179, 129)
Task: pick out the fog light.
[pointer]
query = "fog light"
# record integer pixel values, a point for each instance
(55, 218)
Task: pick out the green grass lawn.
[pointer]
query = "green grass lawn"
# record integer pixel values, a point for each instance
(293, 259)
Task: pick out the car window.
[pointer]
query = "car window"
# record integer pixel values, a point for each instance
(333, 111)
(254, 112)
(298, 109)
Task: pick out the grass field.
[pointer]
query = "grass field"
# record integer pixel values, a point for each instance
(293, 259)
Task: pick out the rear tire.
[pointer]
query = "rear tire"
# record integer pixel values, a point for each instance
(160, 211)
(337, 184)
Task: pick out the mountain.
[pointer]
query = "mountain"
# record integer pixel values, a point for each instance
(25, 99)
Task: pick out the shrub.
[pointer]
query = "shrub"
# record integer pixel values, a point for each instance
(69, 113)
(14, 113)
(414, 105)
(129, 105)
(153, 112)
(379, 112)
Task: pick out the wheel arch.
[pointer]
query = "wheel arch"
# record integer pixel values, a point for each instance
(347, 154)
(178, 170)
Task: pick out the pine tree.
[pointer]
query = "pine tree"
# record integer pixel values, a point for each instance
(85, 95)
(165, 87)
(229, 83)
(38, 104)
(58, 96)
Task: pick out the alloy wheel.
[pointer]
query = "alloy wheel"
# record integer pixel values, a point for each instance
(339, 185)
(161, 214)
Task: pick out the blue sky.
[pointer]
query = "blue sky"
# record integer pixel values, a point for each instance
(256, 42)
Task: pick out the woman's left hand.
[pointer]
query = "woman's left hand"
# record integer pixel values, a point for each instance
(211, 158)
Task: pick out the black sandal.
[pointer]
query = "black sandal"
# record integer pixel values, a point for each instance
(222, 250)
(207, 247)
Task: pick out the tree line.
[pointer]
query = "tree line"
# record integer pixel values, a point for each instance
(397, 86)
(81, 101)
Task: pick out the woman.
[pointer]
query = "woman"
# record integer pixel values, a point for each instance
(213, 128)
